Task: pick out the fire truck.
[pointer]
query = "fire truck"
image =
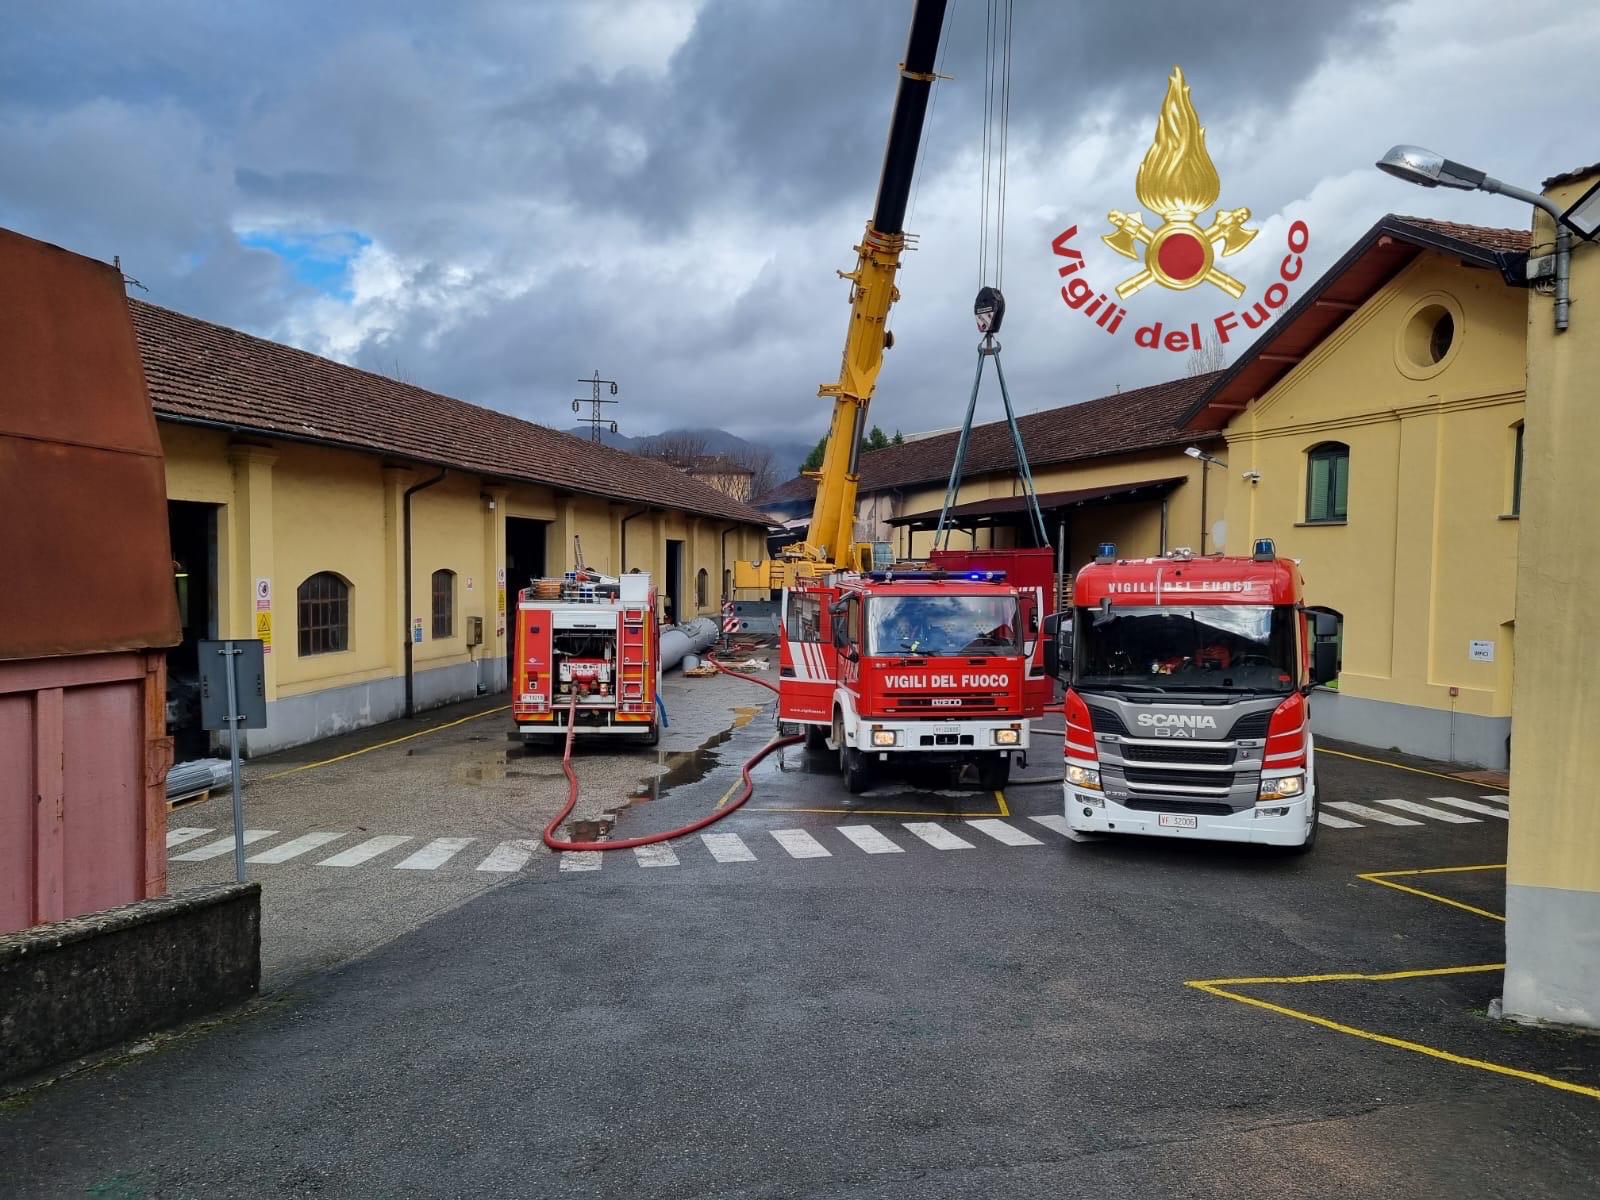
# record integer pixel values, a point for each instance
(593, 637)
(1188, 713)
(917, 665)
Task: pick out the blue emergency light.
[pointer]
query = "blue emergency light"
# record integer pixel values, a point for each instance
(1265, 550)
(1106, 552)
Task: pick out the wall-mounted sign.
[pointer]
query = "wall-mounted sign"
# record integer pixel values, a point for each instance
(1178, 182)
(416, 629)
(263, 593)
(1480, 651)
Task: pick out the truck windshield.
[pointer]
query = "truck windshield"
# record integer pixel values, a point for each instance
(942, 625)
(1216, 647)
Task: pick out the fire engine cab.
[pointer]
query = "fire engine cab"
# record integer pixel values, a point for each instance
(591, 638)
(925, 666)
(1188, 711)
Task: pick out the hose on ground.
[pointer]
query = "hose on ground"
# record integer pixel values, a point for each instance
(666, 835)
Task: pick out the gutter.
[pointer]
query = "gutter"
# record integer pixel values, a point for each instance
(622, 554)
(406, 506)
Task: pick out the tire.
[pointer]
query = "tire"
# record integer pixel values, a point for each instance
(1311, 837)
(995, 772)
(816, 738)
(852, 764)
(652, 735)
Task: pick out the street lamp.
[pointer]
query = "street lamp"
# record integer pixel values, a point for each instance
(1426, 168)
(1206, 461)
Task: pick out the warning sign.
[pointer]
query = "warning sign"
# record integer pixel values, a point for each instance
(263, 594)
(264, 630)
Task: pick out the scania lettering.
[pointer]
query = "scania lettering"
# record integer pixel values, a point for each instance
(915, 665)
(1188, 714)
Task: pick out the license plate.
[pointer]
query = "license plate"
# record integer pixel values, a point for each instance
(1178, 821)
(947, 729)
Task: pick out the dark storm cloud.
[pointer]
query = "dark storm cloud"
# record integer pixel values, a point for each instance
(475, 144)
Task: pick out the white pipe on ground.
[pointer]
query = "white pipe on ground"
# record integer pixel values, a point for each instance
(692, 638)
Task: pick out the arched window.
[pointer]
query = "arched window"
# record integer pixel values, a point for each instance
(702, 584)
(1327, 482)
(322, 614)
(444, 604)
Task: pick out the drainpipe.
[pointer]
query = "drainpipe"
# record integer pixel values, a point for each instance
(725, 534)
(622, 567)
(1164, 525)
(411, 710)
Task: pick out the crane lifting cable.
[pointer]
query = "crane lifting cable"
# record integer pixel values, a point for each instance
(990, 306)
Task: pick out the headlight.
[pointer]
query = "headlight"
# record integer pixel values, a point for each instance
(1084, 777)
(1283, 786)
(884, 737)
(1006, 737)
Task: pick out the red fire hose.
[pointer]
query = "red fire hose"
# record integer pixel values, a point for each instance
(651, 839)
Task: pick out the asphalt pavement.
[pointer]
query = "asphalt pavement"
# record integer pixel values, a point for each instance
(931, 1007)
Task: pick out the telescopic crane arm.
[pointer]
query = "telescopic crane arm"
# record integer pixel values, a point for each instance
(872, 294)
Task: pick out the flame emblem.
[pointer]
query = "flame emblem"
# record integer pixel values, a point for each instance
(1178, 180)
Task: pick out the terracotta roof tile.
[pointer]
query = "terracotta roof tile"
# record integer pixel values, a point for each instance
(1139, 419)
(209, 374)
(1515, 241)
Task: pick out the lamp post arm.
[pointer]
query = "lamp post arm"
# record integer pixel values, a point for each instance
(1563, 240)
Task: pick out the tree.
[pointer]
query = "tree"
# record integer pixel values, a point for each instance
(680, 447)
(876, 439)
(1208, 357)
(758, 461)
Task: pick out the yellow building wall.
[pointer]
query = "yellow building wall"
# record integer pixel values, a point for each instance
(287, 511)
(1425, 563)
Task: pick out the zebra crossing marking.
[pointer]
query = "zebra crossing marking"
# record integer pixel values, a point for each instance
(869, 839)
(727, 847)
(800, 844)
(1438, 814)
(581, 860)
(658, 855)
(435, 854)
(364, 851)
(937, 836)
(1372, 814)
(509, 856)
(1333, 822)
(295, 847)
(1471, 806)
(1008, 835)
(222, 846)
(177, 837)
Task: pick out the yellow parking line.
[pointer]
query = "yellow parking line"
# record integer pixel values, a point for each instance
(873, 812)
(1000, 800)
(1380, 879)
(338, 758)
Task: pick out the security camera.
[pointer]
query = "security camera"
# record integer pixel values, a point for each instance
(1252, 476)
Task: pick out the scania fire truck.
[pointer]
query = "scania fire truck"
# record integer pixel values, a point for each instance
(1188, 710)
(925, 666)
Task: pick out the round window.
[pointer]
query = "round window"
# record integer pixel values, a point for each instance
(1429, 335)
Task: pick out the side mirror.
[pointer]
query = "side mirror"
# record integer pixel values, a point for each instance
(1324, 662)
(1324, 625)
(1052, 624)
(1052, 657)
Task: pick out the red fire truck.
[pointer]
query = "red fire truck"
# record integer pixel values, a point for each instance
(590, 636)
(1188, 712)
(925, 666)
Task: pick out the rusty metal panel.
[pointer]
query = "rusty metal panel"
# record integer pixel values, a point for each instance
(83, 507)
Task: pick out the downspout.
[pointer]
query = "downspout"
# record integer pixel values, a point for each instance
(725, 574)
(411, 710)
(622, 567)
(1164, 501)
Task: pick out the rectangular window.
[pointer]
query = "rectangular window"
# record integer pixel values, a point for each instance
(805, 618)
(444, 604)
(1327, 483)
(1516, 476)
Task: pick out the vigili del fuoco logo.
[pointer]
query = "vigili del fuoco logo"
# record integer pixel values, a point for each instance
(1178, 182)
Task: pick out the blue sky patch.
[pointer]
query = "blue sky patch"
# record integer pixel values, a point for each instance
(318, 260)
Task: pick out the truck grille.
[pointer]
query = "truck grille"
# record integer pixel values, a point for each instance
(1176, 777)
(1251, 725)
(1208, 808)
(1182, 753)
(952, 702)
(1105, 720)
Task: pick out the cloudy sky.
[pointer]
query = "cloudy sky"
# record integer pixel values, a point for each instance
(494, 198)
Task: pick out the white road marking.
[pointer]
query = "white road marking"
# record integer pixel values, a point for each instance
(937, 836)
(1438, 814)
(1333, 822)
(1056, 823)
(1506, 800)
(869, 839)
(581, 860)
(370, 848)
(222, 846)
(1472, 806)
(509, 856)
(727, 847)
(294, 848)
(800, 844)
(434, 855)
(658, 855)
(1009, 835)
(177, 837)
(1372, 814)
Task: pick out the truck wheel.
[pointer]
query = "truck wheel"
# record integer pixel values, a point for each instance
(994, 773)
(1311, 837)
(852, 765)
(816, 738)
(652, 735)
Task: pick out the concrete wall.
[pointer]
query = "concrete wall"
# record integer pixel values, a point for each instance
(1425, 563)
(288, 511)
(1553, 868)
(79, 985)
